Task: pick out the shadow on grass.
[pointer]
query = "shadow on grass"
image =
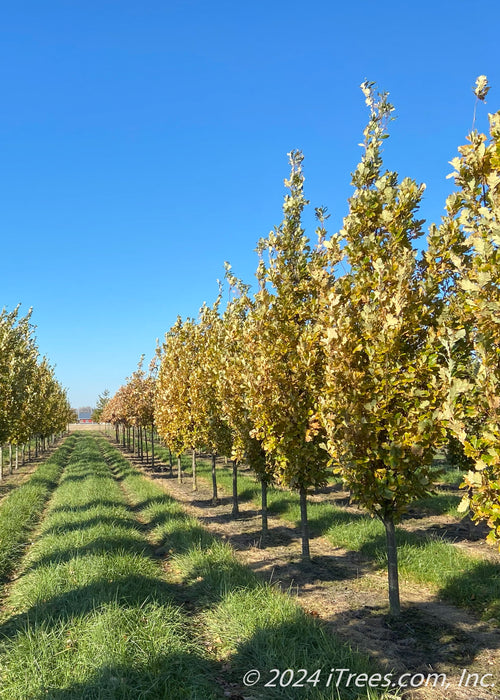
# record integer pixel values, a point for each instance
(84, 477)
(89, 523)
(90, 505)
(100, 545)
(128, 591)
(176, 675)
(248, 493)
(437, 504)
(477, 589)
(274, 633)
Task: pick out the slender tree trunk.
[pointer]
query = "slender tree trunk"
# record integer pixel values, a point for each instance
(392, 567)
(193, 462)
(179, 469)
(23, 453)
(133, 439)
(10, 458)
(215, 500)
(36, 448)
(263, 501)
(146, 444)
(29, 450)
(17, 457)
(153, 446)
(171, 462)
(1, 462)
(236, 510)
(116, 433)
(304, 524)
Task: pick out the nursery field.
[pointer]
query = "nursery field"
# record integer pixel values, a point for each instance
(119, 593)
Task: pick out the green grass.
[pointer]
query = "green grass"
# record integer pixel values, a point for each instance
(440, 503)
(93, 616)
(249, 624)
(20, 511)
(262, 629)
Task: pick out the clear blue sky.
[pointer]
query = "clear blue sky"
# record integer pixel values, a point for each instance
(144, 143)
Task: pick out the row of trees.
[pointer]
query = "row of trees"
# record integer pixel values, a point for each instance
(357, 354)
(132, 410)
(33, 405)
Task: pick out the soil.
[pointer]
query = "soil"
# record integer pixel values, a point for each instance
(349, 594)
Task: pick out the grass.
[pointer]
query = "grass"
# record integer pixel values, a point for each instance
(96, 615)
(262, 629)
(92, 617)
(241, 620)
(440, 503)
(20, 511)
(459, 578)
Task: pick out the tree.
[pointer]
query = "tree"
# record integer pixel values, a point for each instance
(101, 402)
(284, 375)
(381, 399)
(233, 363)
(18, 363)
(173, 415)
(211, 427)
(474, 400)
(32, 402)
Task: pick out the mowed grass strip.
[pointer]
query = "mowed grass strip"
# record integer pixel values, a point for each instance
(243, 622)
(21, 510)
(459, 578)
(92, 617)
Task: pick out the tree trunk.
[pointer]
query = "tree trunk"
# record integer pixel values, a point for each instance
(392, 567)
(17, 457)
(133, 439)
(10, 458)
(153, 446)
(236, 510)
(215, 500)
(304, 524)
(263, 500)
(179, 469)
(146, 444)
(1, 462)
(194, 470)
(171, 462)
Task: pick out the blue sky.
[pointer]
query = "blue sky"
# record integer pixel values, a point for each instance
(145, 143)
